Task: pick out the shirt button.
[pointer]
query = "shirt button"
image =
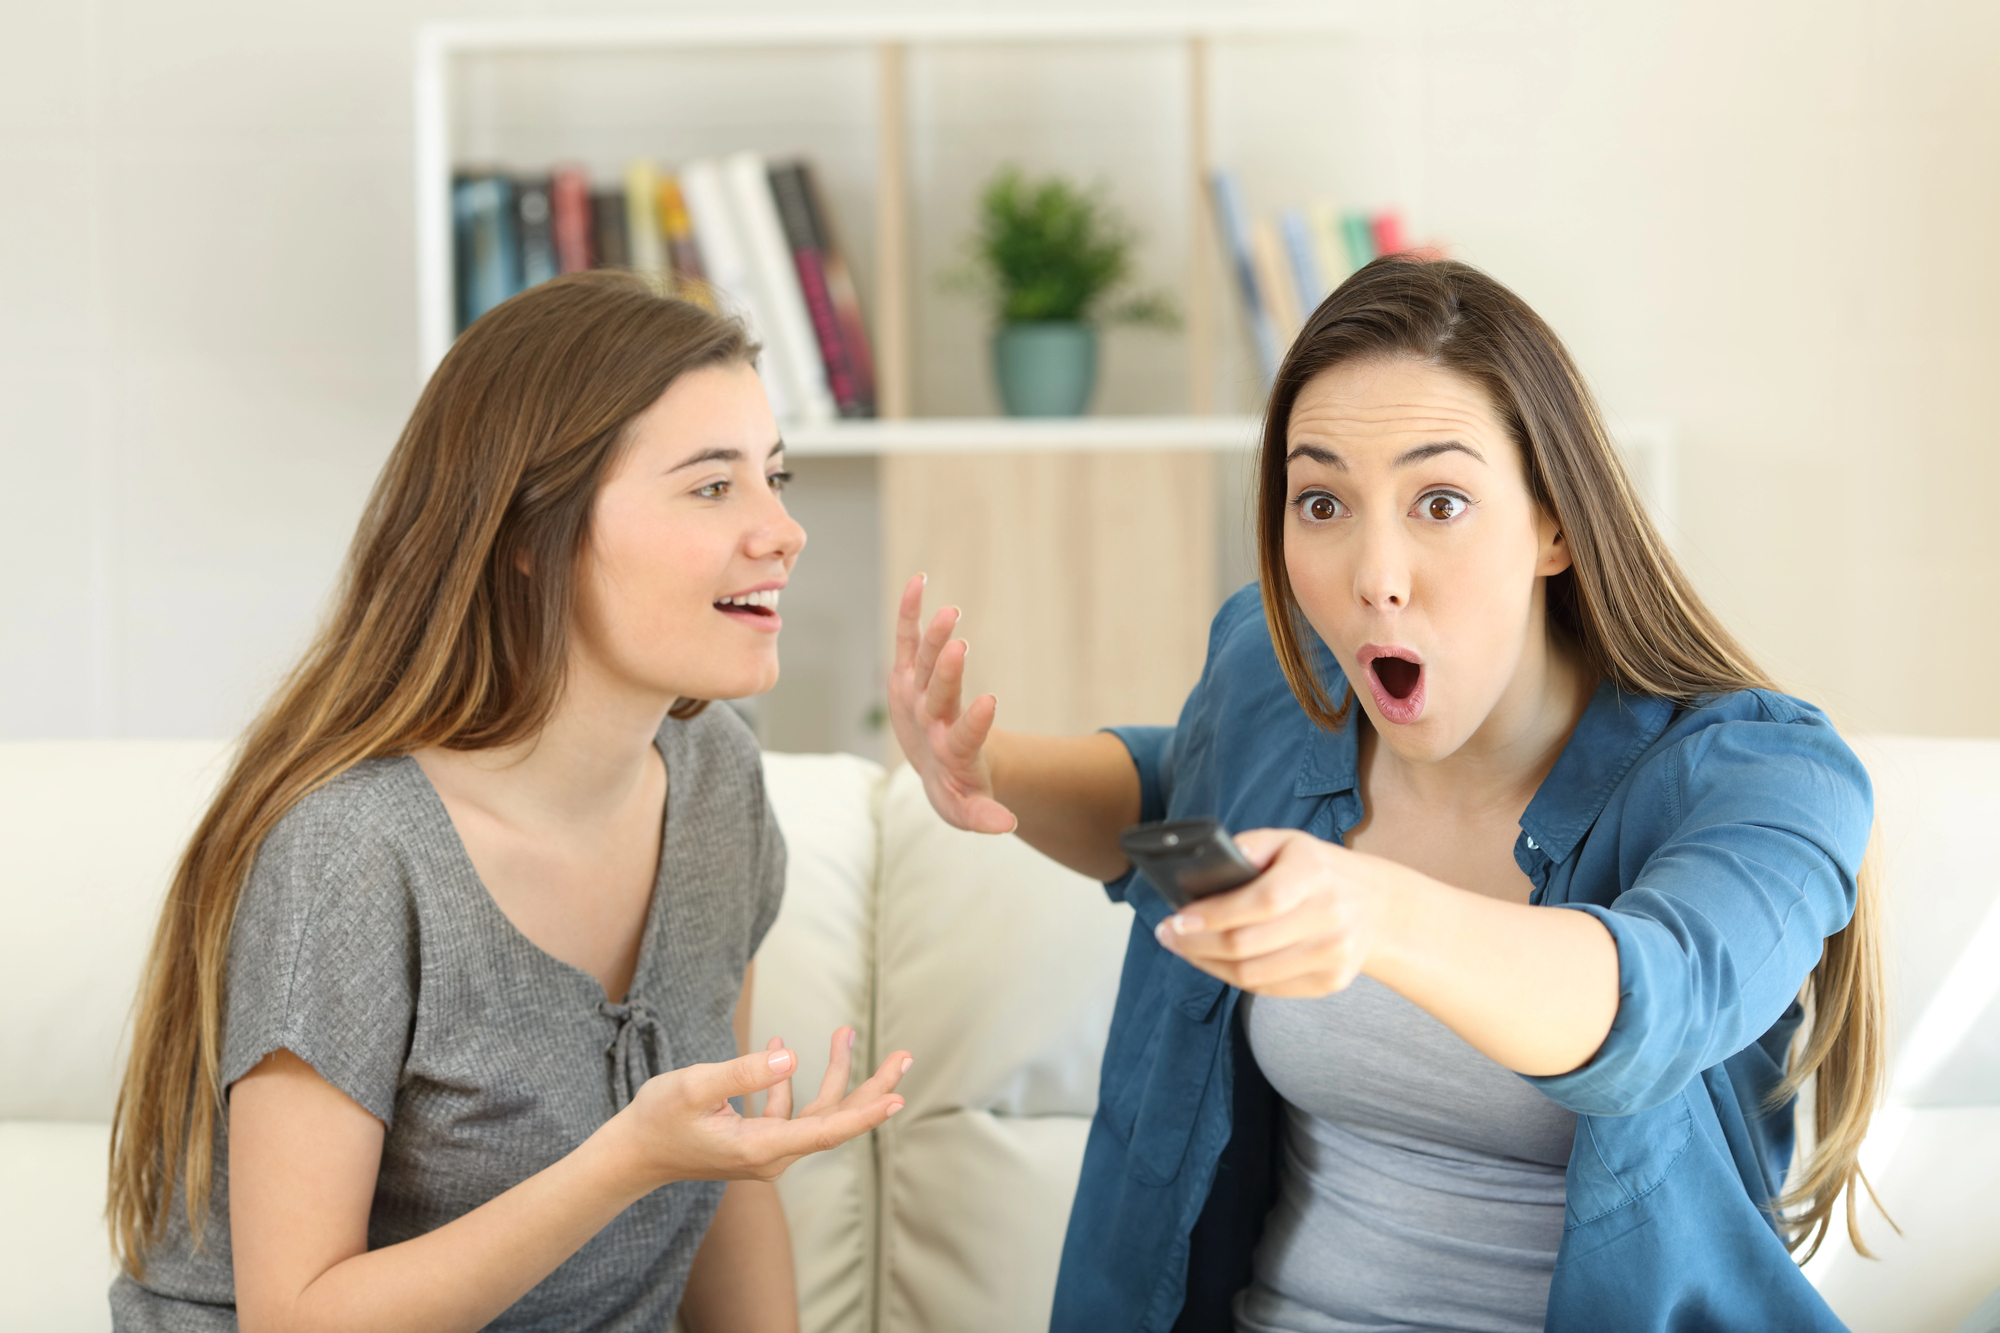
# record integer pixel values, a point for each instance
(1531, 844)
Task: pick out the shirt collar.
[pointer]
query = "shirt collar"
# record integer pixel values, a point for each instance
(1615, 730)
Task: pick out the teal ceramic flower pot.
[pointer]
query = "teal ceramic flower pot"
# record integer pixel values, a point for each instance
(1046, 368)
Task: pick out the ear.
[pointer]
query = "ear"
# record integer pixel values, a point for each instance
(1553, 555)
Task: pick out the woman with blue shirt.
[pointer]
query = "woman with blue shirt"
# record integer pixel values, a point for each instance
(1382, 1086)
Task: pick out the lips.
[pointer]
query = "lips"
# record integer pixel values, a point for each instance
(1395, 676)
(757, 607)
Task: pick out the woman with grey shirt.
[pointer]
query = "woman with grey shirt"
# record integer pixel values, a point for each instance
(450, 996)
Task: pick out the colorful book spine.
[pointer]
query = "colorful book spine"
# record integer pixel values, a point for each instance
(724, 256)
(1329, 246)
(487, 259)
(1274, 280)
(645, 244)
(1388, 231)
(1360, 237)
(683, 251)
(569, 200)
(607, 216)
(1233, 222)
(776, 278)
(846, 301)
(788, 189)
(535, 215)
(1297, 234)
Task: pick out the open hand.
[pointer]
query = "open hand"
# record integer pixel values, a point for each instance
(944, 742)
(682, 1127)
(1303, 928)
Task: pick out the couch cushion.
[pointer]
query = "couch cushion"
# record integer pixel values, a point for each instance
(814, 974)
(55, 1259)
(998, 969)
(89, 832)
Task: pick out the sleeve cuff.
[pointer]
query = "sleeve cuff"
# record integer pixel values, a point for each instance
(1148, 747)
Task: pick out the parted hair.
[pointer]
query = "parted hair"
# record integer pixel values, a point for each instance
(436, 636)
(1624, 606)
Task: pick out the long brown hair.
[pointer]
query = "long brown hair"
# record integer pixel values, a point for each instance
(1624, 606)
(437, 636)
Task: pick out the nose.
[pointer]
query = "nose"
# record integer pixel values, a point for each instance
(778, 536)
(1382, 578)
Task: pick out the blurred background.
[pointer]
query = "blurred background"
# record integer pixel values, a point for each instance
(1766, 231)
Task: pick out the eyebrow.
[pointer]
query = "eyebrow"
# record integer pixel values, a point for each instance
(724, 456)
(1329, 458)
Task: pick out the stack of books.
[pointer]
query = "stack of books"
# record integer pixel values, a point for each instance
(736, 233)
(1286, 264)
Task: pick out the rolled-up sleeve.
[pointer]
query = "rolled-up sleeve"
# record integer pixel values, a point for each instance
(1148, 747)
(1723, 923)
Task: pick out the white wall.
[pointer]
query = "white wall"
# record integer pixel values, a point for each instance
(1770, 225)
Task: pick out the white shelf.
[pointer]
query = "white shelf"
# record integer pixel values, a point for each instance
(936, 435)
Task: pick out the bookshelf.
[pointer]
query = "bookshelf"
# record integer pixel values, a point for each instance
(873, 125)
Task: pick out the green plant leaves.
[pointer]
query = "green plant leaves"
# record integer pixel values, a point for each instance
(1051, 251)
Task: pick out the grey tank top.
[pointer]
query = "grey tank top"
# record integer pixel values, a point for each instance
(1422, 1186)
(365, 944)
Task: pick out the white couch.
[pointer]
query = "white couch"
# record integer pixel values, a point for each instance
(992, 964)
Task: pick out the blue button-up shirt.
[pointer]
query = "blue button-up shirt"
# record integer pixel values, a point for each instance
(1718, 844)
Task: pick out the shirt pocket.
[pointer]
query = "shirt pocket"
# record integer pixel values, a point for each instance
(1157, 1070)
(1619, 1159)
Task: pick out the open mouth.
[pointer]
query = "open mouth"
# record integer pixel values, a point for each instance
(762, 605)
(1396, 678)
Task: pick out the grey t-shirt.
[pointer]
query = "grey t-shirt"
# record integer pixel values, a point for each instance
(1422, 1186)
(366, 945)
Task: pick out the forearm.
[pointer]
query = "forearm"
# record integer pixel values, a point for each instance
(1533, 989)
(464, 1274)
(742, 1277)
(1072, 795)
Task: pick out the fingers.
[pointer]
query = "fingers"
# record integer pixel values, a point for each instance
(839, 1065)
(1262, 845)
(1304, 970)
(907, 613)
(776, 1144)
(778, 1105)
(710, 1085)
(935, 641)
(947, 681)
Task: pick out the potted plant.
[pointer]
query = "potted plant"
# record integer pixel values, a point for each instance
(1053, 258)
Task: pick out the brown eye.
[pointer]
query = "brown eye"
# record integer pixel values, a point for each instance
(1321, 507)
(1443, 506)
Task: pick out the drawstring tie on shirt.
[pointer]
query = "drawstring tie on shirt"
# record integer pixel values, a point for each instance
(636, 1053)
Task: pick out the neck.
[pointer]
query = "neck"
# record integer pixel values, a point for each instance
(1503, 763)
(587, 761)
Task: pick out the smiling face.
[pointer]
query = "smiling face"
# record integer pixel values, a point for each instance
(1416, 551)
(677, 588)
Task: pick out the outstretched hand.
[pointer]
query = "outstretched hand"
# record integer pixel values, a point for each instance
(944, 740)
(684, 1128)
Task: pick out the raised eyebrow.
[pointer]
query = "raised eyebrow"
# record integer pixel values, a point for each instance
(1423, 451)
(724, 456)
(1318, 455)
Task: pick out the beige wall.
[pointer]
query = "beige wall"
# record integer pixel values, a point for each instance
(1770, 226)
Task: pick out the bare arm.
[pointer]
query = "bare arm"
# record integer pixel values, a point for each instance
(1531, 988)
(742, 1280)
(303, 1160)
(1067, 796)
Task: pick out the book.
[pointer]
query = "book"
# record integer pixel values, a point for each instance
(846, 300)
(645, 245)
(1233, 223)
(607, 217)
(569, 201)
(1297, 235)
(488, 262)
(725, 259)
(1360, 238)
(1388, 229)
(683, 251)
(1329, 246)
(789, 191)
(1274, 280)
(533, 215)
(776, 279)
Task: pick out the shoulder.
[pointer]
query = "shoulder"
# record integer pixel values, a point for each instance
(1768, 755)
(344, 845)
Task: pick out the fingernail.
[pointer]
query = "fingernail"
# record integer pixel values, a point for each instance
(780, 1061)
(895, 1107)
(1162, 934)
(907, 1062)
(1185, 924)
